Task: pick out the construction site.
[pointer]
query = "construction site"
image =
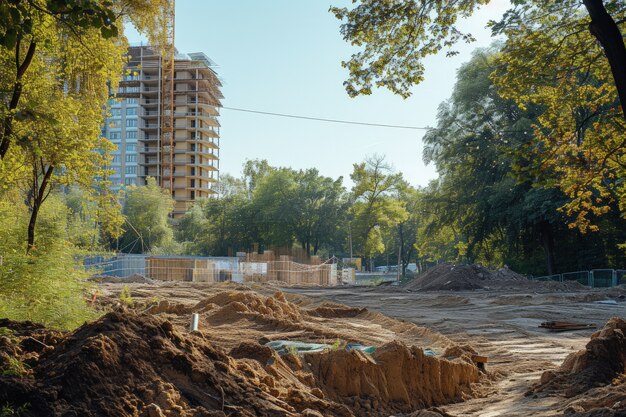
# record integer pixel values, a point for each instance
(283, 292)
(183, 347)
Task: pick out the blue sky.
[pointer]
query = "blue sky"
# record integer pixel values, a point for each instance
(284, 56)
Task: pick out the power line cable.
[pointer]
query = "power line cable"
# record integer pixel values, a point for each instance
(351, 122)
(321, 119)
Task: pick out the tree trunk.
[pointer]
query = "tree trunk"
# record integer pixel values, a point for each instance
(31, 225)
(21, 67)
(604, 28)
(547, 241)
(40, 192)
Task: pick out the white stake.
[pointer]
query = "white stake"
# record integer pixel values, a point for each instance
(195, 318)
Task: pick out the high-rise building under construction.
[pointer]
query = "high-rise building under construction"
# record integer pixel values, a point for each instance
(166, 126)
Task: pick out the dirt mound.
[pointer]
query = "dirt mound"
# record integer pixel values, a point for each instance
(334, 310)
(450, 277)
(395, 378)
(505, 274)
(475, 277)
(165, 306)
(230, 306)
(139, 365)
(593, 378)
(130, 364)
(603, 359)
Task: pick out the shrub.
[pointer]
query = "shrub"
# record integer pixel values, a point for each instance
(47, 285)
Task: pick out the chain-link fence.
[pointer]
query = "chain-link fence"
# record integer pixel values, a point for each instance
(595, 278)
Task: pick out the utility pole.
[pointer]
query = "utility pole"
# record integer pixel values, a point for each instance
(399, 262)
(350, 240)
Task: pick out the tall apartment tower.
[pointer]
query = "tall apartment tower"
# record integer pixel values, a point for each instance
(167, 130)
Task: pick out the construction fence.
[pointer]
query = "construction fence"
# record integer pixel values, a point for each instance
(595, 278)
(131, 268)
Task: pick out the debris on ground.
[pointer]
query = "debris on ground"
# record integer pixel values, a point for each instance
(286, 347)
(564, 326)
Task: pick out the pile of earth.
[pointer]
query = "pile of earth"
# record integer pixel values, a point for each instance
(448, 276)
(140, 364)
(594, 378)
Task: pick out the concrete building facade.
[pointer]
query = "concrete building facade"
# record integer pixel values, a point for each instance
(167, 129)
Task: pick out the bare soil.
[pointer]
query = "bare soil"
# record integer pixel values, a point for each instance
(144, 361)
(503, 325)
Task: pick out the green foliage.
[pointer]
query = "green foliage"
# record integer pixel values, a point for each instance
(9, 411)
(336, 345)
(146, 211)
(20, 19)
(298, 205)
(269, 206)
(59, 60)
(563, 59)
(126, 297)
(481, 208)
(12, 366)
(376, 206)
(46, 285)
(395, 36)
(558, 66)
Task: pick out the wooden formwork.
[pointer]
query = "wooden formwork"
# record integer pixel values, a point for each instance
(290, 272)
(203, 271)
(180, 269)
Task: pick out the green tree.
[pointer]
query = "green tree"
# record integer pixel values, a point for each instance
(299, 206)
(220, 226)
(481, 208)
(376, 206)
(146, 211)
(395, 37)
(82, 228)
(274, 207)
(319, 205)
(253, 171)
(281, 208)
(578, 133)
(45, 285)
(58, 62)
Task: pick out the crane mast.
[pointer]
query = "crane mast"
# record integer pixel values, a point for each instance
(167, 139)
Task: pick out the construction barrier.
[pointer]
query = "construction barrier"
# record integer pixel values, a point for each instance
(595, 278)
(252, 268)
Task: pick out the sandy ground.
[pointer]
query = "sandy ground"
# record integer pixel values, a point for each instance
(502, 325)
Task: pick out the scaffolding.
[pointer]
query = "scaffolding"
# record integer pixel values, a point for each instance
(179, 97)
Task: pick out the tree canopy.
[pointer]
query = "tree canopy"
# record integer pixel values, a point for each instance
(395, 37)
(59, 62)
